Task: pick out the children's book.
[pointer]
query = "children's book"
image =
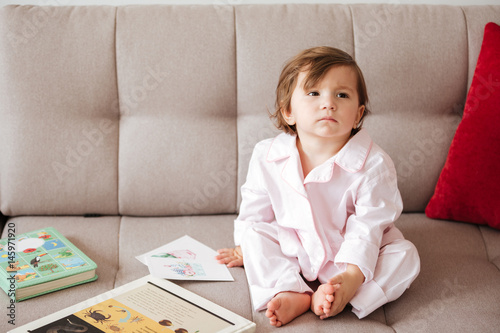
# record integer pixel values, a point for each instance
(41, 261)
(149, 304)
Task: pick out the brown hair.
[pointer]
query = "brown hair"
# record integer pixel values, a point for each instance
(317, 61)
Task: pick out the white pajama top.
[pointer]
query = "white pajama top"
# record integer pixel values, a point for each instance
(338, 214)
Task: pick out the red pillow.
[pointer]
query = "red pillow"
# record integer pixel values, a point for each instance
(468, 188)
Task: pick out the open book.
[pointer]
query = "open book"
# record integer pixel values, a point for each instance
(148, 304)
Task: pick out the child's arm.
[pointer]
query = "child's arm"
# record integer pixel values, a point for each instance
(378, 204)
(232, 257)
(255, 207)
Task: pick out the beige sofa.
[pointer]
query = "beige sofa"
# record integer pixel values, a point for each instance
(128, 127)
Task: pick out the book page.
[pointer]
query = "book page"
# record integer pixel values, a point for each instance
(185, 259)
(148, 308)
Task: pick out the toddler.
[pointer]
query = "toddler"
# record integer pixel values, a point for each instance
(320, 201)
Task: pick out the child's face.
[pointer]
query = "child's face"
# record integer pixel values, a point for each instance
(329, 110)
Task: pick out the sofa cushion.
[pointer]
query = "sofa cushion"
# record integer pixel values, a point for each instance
(411, 120)
(467, 189)
(458, 288)
(176, 79)
(59, 120)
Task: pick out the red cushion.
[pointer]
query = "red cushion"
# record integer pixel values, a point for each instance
(468, 188)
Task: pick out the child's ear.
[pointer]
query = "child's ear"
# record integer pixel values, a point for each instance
(361, 111)
(287, 115)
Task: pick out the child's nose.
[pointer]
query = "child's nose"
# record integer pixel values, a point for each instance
(328, 103)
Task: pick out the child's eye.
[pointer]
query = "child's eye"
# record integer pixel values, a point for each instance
(342, 95)
(313, 93)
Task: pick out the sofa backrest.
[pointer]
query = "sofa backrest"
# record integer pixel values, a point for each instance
(154, 110)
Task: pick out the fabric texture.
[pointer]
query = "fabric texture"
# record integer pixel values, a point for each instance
(58, 124)
(467, 189)
(177, 110)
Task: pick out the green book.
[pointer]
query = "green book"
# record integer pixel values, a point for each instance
(40, 262)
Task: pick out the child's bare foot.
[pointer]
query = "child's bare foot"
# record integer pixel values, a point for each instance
(322, 300)
(287, 306)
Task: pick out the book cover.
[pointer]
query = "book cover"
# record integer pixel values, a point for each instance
(41, 261)
(148, 304)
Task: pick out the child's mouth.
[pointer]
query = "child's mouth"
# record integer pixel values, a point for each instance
(328, 119)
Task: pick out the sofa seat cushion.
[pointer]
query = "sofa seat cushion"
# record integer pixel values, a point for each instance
(458, 289)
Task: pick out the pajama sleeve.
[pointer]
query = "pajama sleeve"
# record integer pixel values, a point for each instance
(255, 202)
(377, 205)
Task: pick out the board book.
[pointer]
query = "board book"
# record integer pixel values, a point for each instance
(149, 304)
(42, 261)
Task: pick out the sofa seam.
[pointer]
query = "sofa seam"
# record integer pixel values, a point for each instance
(467, 39)
(489, 256)
(236, 108)
(117, 154)
(118, 251)
(353, 35)
(118, 210)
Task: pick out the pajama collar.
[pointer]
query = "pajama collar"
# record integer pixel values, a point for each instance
(351, 157)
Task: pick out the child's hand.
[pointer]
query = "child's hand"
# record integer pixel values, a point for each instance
(346, 284)
(230, 257)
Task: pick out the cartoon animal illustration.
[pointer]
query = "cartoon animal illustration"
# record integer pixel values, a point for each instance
(186, 269)
(23, 277)
(136, 319)
(165, 322)
(14, 267)
(98, 317)
(43, 235)
(115, 328)
(178, 254)
(64, 254)
(70, 327)
(34, 262)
